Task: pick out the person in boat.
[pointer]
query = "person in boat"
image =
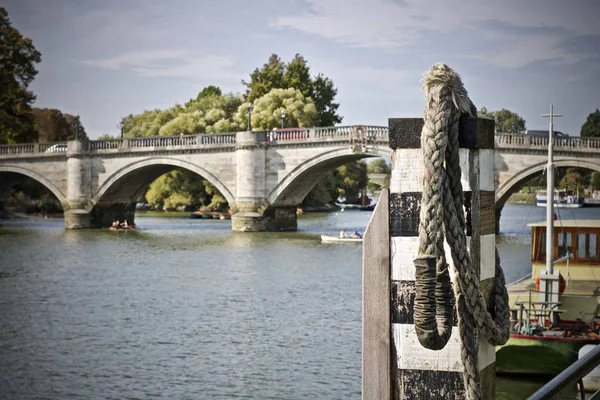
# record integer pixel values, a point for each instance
(343, 234)
(124, 224)
(357, 235)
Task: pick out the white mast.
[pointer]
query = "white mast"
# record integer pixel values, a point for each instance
(550, 281)
(550, 195)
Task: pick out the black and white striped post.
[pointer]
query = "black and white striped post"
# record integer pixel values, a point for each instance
(412, 371)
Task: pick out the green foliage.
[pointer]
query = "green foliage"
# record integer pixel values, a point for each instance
(591, 126)
(209, 91)
(210, 112)
(506, 120)
(263, 80)
(296, 74)
(18, 57)
(571, 179)
(183, 190)
(266, 112)
(351, 180)
(53, 126)
(148, 123)
(24, 194)
(324, 192)
(324, 93)
(379, 166)
(595, 181)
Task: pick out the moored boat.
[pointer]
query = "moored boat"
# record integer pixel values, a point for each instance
(563, 198)
(555, 310)
(537, 345)
(334, 239)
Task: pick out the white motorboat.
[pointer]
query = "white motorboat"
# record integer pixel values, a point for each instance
(331, 239)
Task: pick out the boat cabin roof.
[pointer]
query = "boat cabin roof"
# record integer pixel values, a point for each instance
(570, 223)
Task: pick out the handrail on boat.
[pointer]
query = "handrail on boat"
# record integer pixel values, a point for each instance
(573, 374)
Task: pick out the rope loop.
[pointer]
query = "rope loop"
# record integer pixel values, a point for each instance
(442, 220)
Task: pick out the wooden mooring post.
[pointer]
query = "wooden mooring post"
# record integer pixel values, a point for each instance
(394, 364)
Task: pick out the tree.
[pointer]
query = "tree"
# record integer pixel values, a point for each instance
(595, 181)
(324, 93)
(296, 74)
(178, 190)
(591, 126)
(506, 120)
(571, 179)
(323, 193)
(378, 166)
(266, 114)
(18, 57)
(52, 125)
(209, 91)
(148, 123)
(352, 180)
(263, 80)
(208, 114)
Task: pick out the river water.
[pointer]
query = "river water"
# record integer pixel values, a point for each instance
(187, 309)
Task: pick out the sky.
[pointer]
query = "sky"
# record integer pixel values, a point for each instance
(105, 59)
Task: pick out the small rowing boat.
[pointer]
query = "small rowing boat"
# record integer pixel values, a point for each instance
(332, 239)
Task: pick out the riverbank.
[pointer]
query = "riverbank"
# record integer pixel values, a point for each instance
(522, 198)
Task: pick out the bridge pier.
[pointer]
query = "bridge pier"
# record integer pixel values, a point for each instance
(79, 175)
(254, 214)
(271, 219)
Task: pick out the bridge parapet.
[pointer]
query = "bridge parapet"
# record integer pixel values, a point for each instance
(164, 142)
(352, 133)
(520, 141)
(333, 133)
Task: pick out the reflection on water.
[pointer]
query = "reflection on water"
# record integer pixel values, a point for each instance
(185, 308)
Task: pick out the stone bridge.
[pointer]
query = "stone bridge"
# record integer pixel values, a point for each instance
(263, 175)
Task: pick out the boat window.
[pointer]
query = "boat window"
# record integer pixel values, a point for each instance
(539, 249)
(587, 246)
(564, 243)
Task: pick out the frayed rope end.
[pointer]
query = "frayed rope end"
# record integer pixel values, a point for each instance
(440, 78)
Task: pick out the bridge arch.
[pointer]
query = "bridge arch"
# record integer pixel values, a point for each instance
(158, 162)
(37, 177)
(517, 180)
(296, 185)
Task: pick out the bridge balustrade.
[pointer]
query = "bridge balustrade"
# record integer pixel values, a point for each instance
(224, 138)
(96, 145)
(370, 133)
(571, 143)
(13, 149)
(162, 141)
(327, 133)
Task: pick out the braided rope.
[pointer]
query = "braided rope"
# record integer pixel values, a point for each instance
(442, 218)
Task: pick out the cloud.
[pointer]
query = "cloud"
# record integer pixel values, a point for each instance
(177, 63)
(516, 33)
